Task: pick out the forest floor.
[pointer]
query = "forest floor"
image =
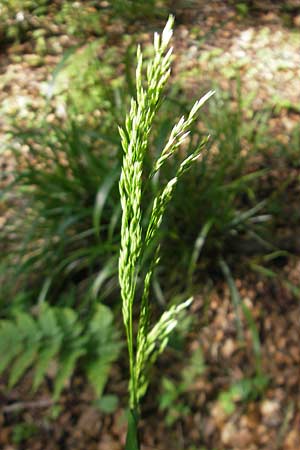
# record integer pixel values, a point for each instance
(212, 42)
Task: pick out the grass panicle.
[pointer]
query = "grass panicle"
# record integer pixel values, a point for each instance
(136, 238)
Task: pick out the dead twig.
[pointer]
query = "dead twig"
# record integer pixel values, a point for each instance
(19, 406)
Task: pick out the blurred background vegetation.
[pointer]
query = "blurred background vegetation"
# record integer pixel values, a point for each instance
(67, 76)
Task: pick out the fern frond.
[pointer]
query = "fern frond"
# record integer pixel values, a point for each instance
(46, 354)
(22, 363)
(10, 343)
(105, 348)
(67, 365)
(28, 342)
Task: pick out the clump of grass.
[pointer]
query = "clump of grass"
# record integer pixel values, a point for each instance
(63, 236)
(139, 237)
(219, 209)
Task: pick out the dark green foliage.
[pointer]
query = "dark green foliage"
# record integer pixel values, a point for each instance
(60, 335)
(217, 210)
(133, 9)
(65, 234)
(23, 431)
(69, 225)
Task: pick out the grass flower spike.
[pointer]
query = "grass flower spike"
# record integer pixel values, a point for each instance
(145, 345)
